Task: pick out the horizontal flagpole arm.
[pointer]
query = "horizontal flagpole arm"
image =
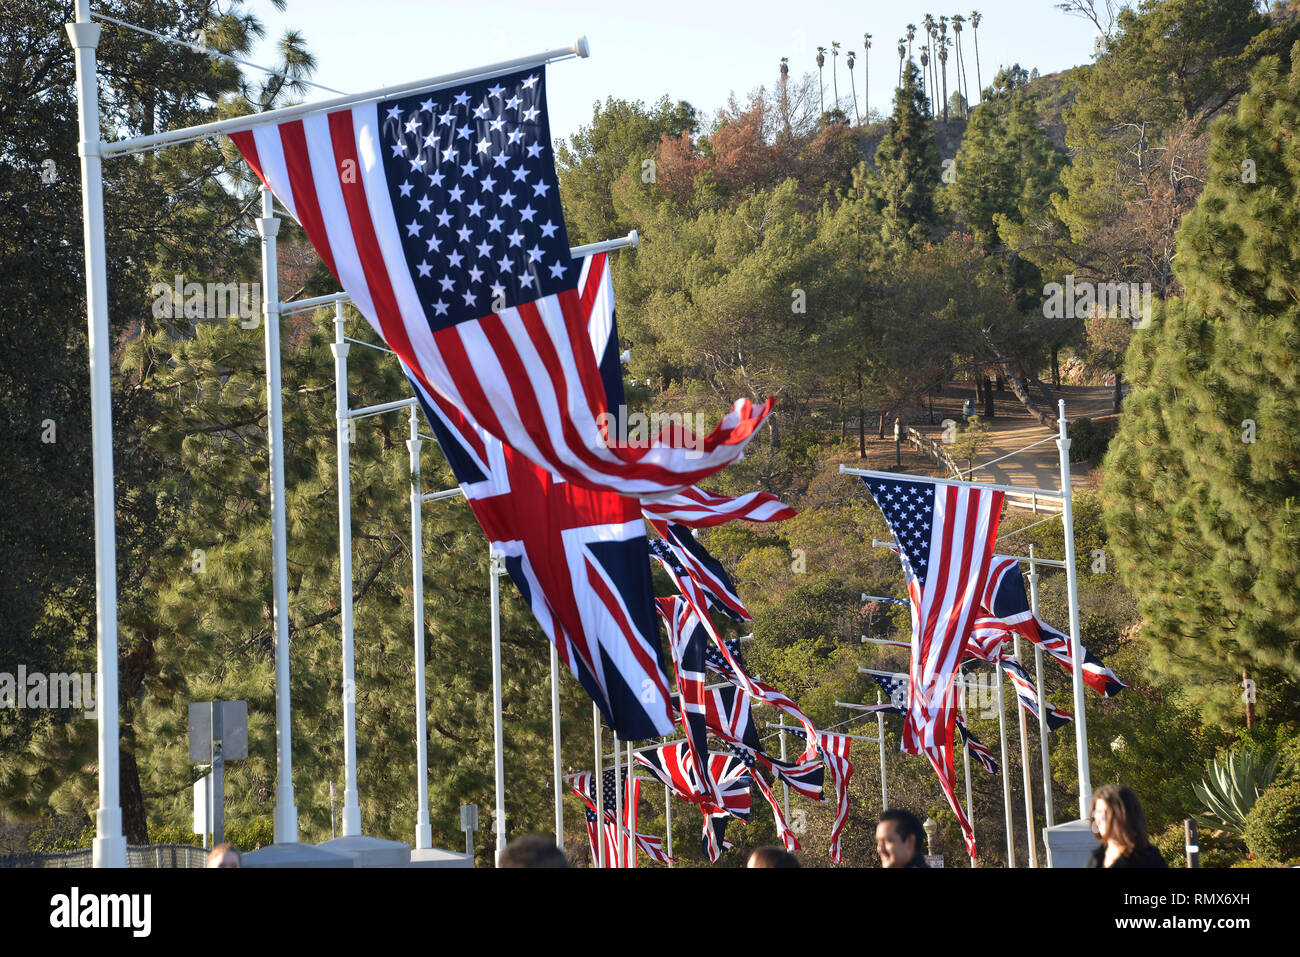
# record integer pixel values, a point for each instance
(302, 305)
(380, 409)
(630, 241)
(441, 496)
(885, 641)
(851, 737)
(139, 144)
(903, 477)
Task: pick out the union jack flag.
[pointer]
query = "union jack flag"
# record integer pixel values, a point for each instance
(1096, 675)
(977, 748)
(730, 717)
(782, 828)
(672, 765)
(1028, 694)
(578, 557)
(687, 646)
(439, 213)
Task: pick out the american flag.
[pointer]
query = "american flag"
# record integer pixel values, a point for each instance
(977, 748)
(835, 751)
(439, 214)
(894, 686)
(696, 508)
(705, 570)
(617, 852)
(945, 534)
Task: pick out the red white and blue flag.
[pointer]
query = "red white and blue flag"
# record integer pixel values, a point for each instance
(696, 508)
(835, 752)
(439, 214)
(945, 534)
(977, 748)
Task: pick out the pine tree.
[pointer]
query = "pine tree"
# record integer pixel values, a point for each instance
(1202, 484)
(908, 164)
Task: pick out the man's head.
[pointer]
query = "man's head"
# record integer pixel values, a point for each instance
(225, 855)
(899, 837)
(532, 850)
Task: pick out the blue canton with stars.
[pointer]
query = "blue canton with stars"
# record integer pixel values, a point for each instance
(908, 507)
(473, 187)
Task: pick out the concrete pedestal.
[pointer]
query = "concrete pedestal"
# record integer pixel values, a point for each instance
(296, 855)
(1069, 844)
(436, 857)
(370, 851)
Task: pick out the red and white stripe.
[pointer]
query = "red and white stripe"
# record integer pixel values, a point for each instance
(835, 749)
(696, 508)
(527, 375)
(965, 523)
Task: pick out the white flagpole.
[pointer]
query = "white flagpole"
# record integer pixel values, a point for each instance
(620, 847)
(785, 788)
(1027, 781)
(343, 421)
(423, 827)
(1006, 778)
(494, 572)
(600, 788)
(1072, 584)
(965, 756)
(555, 747)
(1048, 810)
(668, 822)
(286, 813)
(880, 727)
(110, 845)
(631, 831)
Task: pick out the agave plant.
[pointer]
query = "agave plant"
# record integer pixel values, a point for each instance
(1232, 787)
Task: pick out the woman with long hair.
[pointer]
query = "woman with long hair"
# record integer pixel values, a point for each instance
(1120, 825)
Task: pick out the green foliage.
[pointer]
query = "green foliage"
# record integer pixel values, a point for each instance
(908, 164)
(1272, 828)
(1201, 480)
(1232, 787)
(1089, 440)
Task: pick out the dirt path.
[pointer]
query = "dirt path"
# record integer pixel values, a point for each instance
(1013, 428)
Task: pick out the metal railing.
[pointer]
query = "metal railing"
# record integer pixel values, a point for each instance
(141, 856)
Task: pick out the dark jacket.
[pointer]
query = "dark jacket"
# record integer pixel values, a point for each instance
(918, 860)
(1145, 857)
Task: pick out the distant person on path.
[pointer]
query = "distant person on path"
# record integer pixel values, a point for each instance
(225, 855)
(532, 850)
(899, 837)
(1120, 825)
(771, 856)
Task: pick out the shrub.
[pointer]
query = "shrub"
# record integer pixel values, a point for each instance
(1088, 440)
(1273, 825)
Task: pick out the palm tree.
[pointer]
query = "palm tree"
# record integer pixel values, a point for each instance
(911, 35)
(785, 94)
(835, 81)
(821, 90)
(943, 61)
(902, 52)
(975, 19)
(957, 22)
(925, 68)
(932, 31)
(866, 74)
(853, 85)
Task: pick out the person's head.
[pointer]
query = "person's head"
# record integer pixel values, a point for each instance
(899, 837)
(532, 850)
(1117, 818)
(225, 855)
(772, 856)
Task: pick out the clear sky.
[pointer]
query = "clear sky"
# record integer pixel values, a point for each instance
(641, 49)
